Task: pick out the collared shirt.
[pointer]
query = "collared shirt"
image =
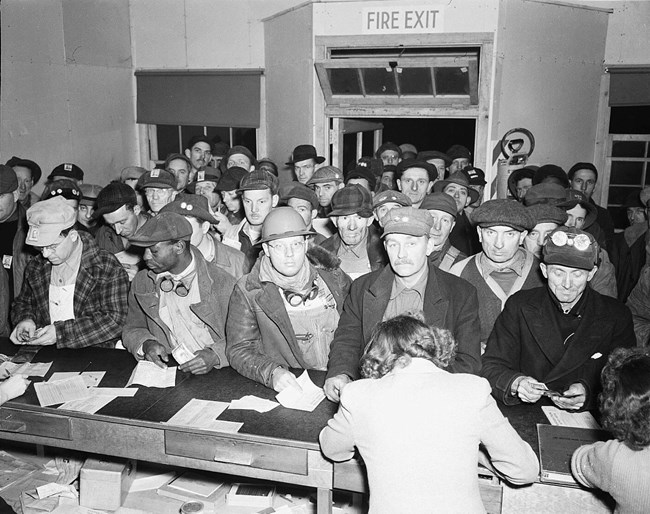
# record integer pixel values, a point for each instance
(62, 284)
(354, 259)
(404, 298)
(505, 276)
(568, 322)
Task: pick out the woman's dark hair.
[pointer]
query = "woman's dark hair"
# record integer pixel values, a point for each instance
(625, 399)
(401, 338)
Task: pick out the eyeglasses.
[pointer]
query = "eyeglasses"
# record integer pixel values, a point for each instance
(167, 285)
(284, 247)
(578, 241)
(295, 299)
(51, 247)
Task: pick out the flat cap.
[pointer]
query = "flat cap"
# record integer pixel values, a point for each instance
(571, 247)
(26, 163)
(439, 202)
(68, 170)
(458, 152)
(166, 226)
(546, 213)
(132, 173)
(388, 146)
(391, 196)
(231, 178)
(407, 220)
(302, 192)
(433, 154)
(362, 171)
(89, 193)
(239, 150)
(258, 180)
(46, 220)
(406, 164)
(408, 147)
(545, 193)
(162, 179)
(582, 166)
(508, 213)
(326, 174)
(351, 199)
(8, 179)
(113, 196)
(190, 205)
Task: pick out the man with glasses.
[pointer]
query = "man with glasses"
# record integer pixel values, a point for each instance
(177, 307)
(74, 294)
(283, 314)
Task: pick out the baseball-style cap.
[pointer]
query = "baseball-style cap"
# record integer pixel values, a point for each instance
(391, 196)
(259, 180)
(26, 163)
(113, 196)
(8, 179)
(571, 247)
(476, 176)
(407, 220)
(46, 220)
(67, 170)
(439, 202)
(65, 188)
(209, 174)
(162, 179)
(351, 199)
(89, 193)
(508, 213)
(190, 205)
(166, 226)
(326, 174)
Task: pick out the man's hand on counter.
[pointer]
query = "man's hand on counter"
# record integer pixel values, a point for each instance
(155, 352)
(204, 361)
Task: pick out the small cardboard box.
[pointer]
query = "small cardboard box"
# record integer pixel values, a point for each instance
(105, 484)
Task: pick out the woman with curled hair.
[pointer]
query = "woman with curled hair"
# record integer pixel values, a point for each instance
(418, 427)
(621, 466)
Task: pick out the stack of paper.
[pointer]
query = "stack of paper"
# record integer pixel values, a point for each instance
(306, 398)
(203, 414)
(151, 375)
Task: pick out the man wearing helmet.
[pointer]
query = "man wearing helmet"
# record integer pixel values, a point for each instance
(283, 314)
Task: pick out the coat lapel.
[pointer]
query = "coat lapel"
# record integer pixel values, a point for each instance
(539, 319)
(435, 306)
(375, 301)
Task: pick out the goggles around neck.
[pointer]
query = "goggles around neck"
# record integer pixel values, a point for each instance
(296, 299)
(167, 285)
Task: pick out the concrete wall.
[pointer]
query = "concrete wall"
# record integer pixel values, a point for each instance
(628, 34)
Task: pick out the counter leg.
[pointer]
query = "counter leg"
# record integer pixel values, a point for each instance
(323, 501)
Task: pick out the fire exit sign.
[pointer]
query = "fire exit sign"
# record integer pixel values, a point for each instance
(402, 19)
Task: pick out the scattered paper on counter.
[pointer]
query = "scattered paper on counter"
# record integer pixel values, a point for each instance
(149, 374)
(251, 402)
(203, 414)
(61, 391)
(91, 378)
(115, 392)
(28, 369)
(307, 399)
(89, 405)
(570, 419)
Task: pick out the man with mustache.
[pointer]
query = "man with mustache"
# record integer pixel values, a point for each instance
(409, 283)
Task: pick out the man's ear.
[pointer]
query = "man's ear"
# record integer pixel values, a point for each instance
(480, 234)
(430, 245)
(399, 183)
(592, 273)
(16, 194)
(205, 226)
(137, 209)
(335, 221)
(341, 185)
(275, 200)
(187, 153)
(74, 235)
(265, 248)
(522, 236)
(542, 266)
(369, 220)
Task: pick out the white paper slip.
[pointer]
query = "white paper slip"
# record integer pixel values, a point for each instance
(307, 399)
(251, 402)
(122, 392)
(28, 369)
(89, 405)
(61, 391)
(151, 375)
(91, 378)
(570, 419)
(198, 414)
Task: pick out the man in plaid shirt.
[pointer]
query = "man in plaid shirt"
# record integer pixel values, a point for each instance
(74, 294)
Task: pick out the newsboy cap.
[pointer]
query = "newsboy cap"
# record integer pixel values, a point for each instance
(302, 192)
(258, 180)
(8, 179)
(545, 213)
(407, 220)
(440, 202)
(166, 226)
(190, 205)
(46, 220)
(352, 199)
(391, 196)
(508, 213)
(326, 174)
(231, 178)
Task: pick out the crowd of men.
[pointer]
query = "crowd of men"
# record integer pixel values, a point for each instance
(210, 261)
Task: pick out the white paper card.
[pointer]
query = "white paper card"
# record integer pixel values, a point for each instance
(199, 414)
(28, 369)
(61, 391)
(251, 402)
(570, 419)
(91, 378)
(151, 375)
(307, 399)
(89, 405)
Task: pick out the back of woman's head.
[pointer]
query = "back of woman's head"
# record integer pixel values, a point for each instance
(625, 399)
(401, 338)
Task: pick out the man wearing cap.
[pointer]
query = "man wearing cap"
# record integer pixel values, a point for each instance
(554, 340)
(326, 181)
(550, 174)
(178, 306)
(409, 151)
(389, 153)
(363, 176)
(231, 209)
(182, 168)
(409, 283)
(303, 162)
(159, 189)
(67, 171)
(546, 218)
(463, 236)
(74, 293)
(442, 208)
(199, 152)
(266, 164)
(357, 242)
(15, 255)
(205, 184)
(240, 156)
(195, 210)
(303, 200)
(520, 181)
(440, 160)
(117, 205)
(259, 194)
(283, 314)
(28, 174)
(87, 206)
(502, 267)
(386, 201)
(583, 177)
(477, 183)
(415, 179)
(131, 174)
(460, 157)
(387, 179)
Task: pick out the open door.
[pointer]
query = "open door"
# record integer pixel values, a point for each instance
(347, 141)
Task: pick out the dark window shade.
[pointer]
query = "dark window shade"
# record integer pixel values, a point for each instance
(629, 87)
(209, 98)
